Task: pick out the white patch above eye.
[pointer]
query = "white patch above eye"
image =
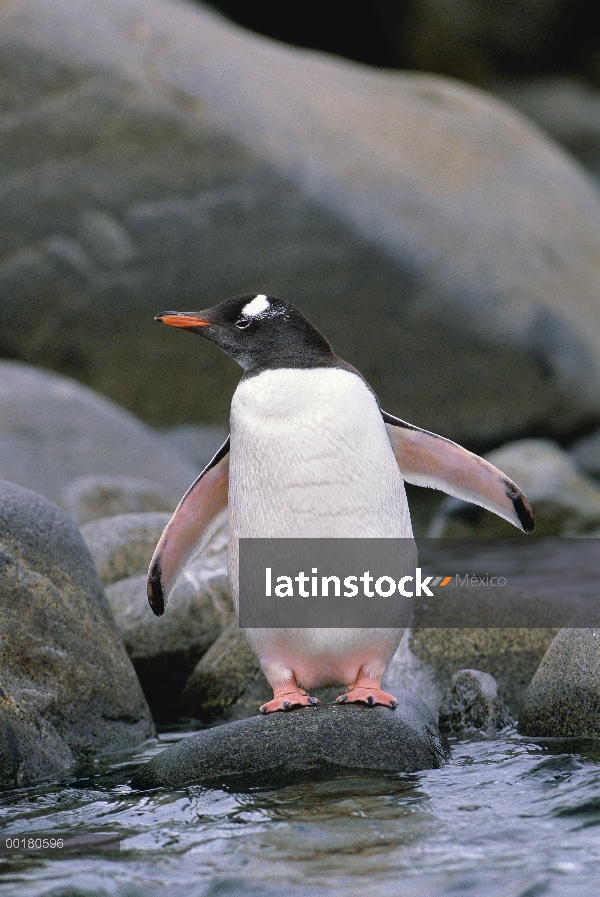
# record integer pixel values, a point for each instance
(256, 307)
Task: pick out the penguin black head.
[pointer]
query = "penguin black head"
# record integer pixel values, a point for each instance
(258, 331)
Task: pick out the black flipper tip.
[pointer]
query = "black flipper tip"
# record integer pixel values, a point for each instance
(156, 598)
(521, 507)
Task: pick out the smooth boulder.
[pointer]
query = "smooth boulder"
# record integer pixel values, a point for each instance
(563, 698)
(54, 431)
(69, 690)
(586, 454)
(312, 741)
(147, 166)
(96, 496)
(123, 546)
(196, 442)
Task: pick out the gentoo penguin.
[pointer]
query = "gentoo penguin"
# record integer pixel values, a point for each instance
(311, 454)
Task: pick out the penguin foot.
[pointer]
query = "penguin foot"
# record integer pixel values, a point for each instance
(360, 694)
(288, 700)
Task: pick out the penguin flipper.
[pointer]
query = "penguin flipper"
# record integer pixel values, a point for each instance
(425, 459)
(189, 529)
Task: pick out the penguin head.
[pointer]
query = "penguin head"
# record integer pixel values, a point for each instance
(257, 331)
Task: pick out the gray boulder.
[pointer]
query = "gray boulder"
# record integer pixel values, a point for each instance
(310, 742)
(139, 162)
(473, 706)
(94, 497)
(196, 442)
(123, 546)
(565, 502)
(164, 650)
(586, 454)
(68, 689)
(54, 431)
(563, 698)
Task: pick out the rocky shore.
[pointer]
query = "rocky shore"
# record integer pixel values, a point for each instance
(85, 662)
(145, 164)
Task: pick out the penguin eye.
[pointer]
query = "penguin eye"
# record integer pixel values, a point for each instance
(242, 323)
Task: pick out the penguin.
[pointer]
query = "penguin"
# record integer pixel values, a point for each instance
(311, 454)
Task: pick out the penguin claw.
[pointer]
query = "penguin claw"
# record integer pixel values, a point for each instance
(370, 700)
(342, 699)
(286, 705)
(393, 703)
(313, 701)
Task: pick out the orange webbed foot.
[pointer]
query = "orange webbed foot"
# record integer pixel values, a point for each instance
(361, 694)
(287, 700)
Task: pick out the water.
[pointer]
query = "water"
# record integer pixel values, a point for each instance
(505, 818)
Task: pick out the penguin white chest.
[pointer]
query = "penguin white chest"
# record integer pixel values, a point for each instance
(310, 457)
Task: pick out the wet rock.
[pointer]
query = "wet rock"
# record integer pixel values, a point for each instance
(474, 631)
(69, 690)
(565, 503)
(473, 706)
(94, 497)
(54, 431)
(125, 183)
(563, 698)
(164, 650)
(315, 741)
(123, 546)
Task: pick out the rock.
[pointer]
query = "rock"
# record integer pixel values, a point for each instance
(198, 443)
(164, 650)
(563, 698)
(221, 677)
(54, 431)
(473, 706)
(94, 497)
(586, 454)
(123, 546)
(135, 156)
(564, 502)
(467, 629)
(314, 742)
(69, 690)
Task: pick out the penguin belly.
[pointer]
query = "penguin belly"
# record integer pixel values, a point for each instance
(311, 458)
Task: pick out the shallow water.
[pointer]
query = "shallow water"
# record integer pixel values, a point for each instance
(505, 817)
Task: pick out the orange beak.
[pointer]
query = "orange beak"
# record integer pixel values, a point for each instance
(180, 319)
